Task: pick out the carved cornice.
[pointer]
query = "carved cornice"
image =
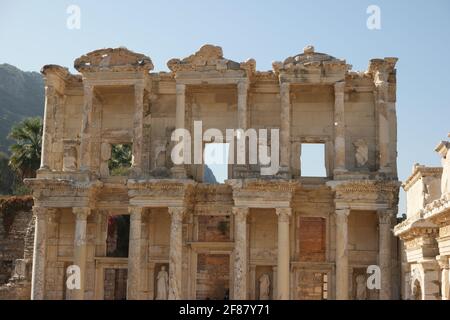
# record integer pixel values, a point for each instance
(438, 211)
(256, 185)
(385, 66)
(54, 69)
(160, 185)
(265, 76)
(365, 186)
(162, 190)
(442, 148)
(58, 184)
(412, 227)
(113, 59)
(419, 172)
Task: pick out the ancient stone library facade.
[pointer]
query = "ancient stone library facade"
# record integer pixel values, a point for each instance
(161, 231)
(426, 230)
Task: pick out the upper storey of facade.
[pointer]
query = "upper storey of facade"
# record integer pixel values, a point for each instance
(310, 97)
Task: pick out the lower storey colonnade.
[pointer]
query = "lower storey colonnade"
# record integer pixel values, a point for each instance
(174, 254)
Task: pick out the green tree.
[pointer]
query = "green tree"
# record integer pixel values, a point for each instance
(26, 151)
(120, 161)
(7, 176)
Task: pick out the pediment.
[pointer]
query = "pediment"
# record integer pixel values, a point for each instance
(208, 58)
(113, 59)
(310, 61)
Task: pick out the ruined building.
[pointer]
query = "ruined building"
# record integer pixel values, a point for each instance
(157, 230)
(426, 230)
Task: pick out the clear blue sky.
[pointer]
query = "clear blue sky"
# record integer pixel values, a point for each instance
(34, 33)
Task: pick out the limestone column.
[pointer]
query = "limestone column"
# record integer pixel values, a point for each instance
(285, 127)
(342, 254)
(242, 90)
(431, 279)
(381, 101)
(175, 253)
(39, 254)
(85, 127)
(240, 252)
(445, 276)
(283, 270)
(79, 250)
(339, 127)
(134, 253)
(48, 126)
(138, 124)
(385, 253)
(179, 171)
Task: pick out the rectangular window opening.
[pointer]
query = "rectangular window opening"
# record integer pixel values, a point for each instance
(118, 236)
(215, 159)
(312, 160)
(120, 162)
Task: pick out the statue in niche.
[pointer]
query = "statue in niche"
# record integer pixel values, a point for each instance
(361, 292)
(264, 287)
(361, 152)
(162, 284)
(426, 194)
(70, 157)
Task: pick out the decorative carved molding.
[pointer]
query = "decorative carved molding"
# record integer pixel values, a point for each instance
(420, 171)
(310, 62)
(210, 57)
(81, 213)
(113, 59)
(385, 216)
(177, 213)
(240, 214)
(283, 214)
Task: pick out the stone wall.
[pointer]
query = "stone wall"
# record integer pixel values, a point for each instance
(213, 276)
(16, 243)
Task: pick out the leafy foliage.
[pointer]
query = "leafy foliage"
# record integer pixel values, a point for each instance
(120, 161)
(7, 175)
(26, 152)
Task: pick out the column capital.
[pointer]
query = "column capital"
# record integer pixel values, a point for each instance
(240, 211)
(385, 216)
(81, 213)
(139, 86)
(180, 88)
(283, 214)
(177, 212)
(342, 214)
(40, 212)
(88, 88)
(285, 86)
(443, 262)
(339, 87)
(135, 212)
(242, 86)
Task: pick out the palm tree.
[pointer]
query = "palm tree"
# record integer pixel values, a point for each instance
(26, 152)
